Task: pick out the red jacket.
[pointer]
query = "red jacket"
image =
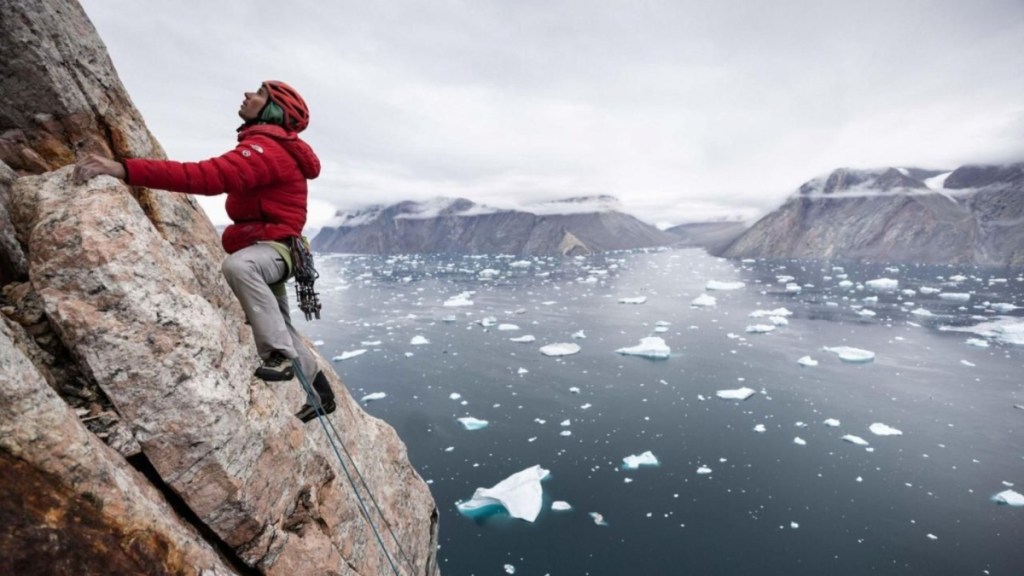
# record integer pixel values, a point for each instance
(264, 178)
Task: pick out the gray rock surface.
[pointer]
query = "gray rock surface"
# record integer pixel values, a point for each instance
(974, 216)
(114, 311)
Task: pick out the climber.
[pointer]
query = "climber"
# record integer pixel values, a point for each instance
(265, 178)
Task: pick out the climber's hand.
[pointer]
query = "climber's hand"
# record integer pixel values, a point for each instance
(95, 165)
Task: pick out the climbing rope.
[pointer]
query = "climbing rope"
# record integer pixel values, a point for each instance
(324, 422)
(305, 276)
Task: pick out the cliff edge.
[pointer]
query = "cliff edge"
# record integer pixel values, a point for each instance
(133, 437)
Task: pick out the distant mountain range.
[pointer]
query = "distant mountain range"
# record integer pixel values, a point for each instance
(455, 225)
(974, 214)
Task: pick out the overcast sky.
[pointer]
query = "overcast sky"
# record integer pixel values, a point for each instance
(683, 110)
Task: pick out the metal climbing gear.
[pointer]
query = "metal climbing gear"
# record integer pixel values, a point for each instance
(305, 276)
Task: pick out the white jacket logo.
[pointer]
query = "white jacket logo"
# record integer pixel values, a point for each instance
(257, 148)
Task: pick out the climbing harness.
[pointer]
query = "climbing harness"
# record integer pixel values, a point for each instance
(335, 440)
(305, 276)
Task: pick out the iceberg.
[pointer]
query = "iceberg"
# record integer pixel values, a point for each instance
(470, 423)
(460, 300)
(523, 339)
(883, 284)
(560, 349)
(650, 347)
(372, 397)
(637, 460)
(350, 354)
(703, 470)
(831, 422)
(1009, 498)
(799, 441)
(760, 328)
(855, 440)
(879, 429)
(521, 495)
(759, 428)
(955, 296)
(1009, 330)
(852, 355)
(580, 335)
(418, 341)
(716, 285)
(507, 327)
(704, 301)
(807, 361)
(598, 519)
(738, 394)
(560, 506)
(633, 300)
(781, 312)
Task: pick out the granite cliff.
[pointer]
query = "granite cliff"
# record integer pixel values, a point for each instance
(971, 215)
(458, 226)
(133, 437)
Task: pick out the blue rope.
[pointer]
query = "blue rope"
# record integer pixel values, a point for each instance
(362, 505)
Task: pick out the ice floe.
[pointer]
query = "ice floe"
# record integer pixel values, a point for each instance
(579, 335)
(1009, 498)
(560, 506)
(633, 300)
(521, 495)
(879, 429)
(737, 394)
(760, 328)
(460, 300)
(635, 461)
(373, 396)
(703, 470)
(1008, 330)
(560, 349)
(598, 519)
(807, 361)
(470, 423)
(852, 355)
(759, 428)
(507, 327)
(716, 285)
(704, 301)
(419, 341)
(780, 312)
(523, 339)
(831, 422)
(955, 296)
(799, 441)
(649, 347)
(350, 354)
(855, 440)
(883, 284)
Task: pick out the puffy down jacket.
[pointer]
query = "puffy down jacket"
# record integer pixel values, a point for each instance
(264, 177)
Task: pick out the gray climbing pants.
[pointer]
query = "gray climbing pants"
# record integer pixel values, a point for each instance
(250, 272)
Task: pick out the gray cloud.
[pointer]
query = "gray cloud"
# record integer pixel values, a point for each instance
(683, 110)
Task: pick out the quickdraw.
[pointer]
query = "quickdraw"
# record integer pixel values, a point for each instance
(305, 276)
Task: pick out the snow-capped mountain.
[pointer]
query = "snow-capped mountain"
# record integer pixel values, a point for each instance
(974, 214)
(460, 226)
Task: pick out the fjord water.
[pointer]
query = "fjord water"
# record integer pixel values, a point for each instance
(916, 503)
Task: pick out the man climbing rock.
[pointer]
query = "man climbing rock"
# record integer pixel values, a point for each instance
(265, 178)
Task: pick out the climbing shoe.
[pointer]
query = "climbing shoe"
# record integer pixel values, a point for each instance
(323, 388)
(307, 412)
(276, 368)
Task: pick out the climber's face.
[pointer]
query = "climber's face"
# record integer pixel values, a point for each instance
(253, 103)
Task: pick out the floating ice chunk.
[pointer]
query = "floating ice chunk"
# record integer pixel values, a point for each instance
(1008, 330)
(470, 423)
(633, 300)
(579, 335)
(507, 327)
(957, 278)
(928, 290)
(793, 288)
(371, 342)
(560, 349)
(759, 428)
(560, 506)
(807, 361)
(867, 313)
(350, 354)
(883, 284)
(526, 339)
(598, 519)
(799, 441)
(704, 301)
(565, 422)
(1009, 498)
(760, 328)
(487, 321)
(635, 461)
(778, 321)
(460, 300)
(649, 347)
(832, 423)
(318, 343)
(977, 342)
(565, 433)
(852, 355)
(418, 341)
(794, 525)
(520, 264)
(449, 318)
(967, 363)
(783, 312)
(510, 569)
(1003, 307)
(455, 395)
(855, 440)
(932, 536)
(737, 394)
(922, 312)
(879, 429)
(574, 389)
(488, 273)
(521, 495)
(522, 371)
(703, 470)
(717, 285)
(372, 397)
(955, 296)
(845, 284)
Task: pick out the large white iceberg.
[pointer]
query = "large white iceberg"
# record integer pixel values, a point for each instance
(560, 349)
(650, 347)
(852, 355)
(635, 461)
(738, 394)
(1010, 498)
(521, 495)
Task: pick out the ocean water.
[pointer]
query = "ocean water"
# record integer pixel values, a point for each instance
(793, 499)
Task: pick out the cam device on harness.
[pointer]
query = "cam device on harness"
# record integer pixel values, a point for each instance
(305, 276)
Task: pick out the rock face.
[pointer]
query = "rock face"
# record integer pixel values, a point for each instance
(972, 215)
(133, 437)
(459, 226)
(712, 236)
